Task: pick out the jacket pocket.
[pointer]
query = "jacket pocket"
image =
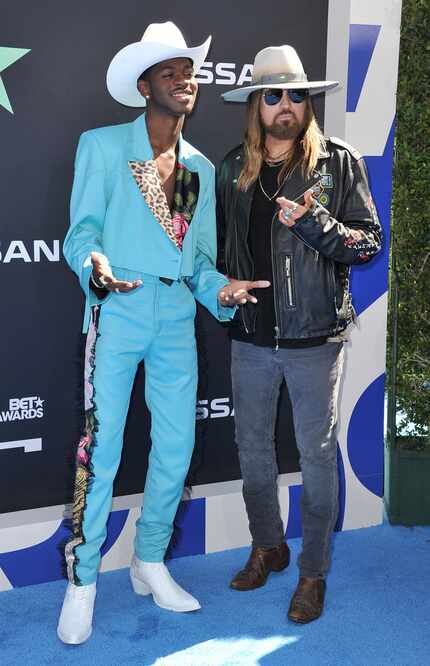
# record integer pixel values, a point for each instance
(306, 294)
(288, 275)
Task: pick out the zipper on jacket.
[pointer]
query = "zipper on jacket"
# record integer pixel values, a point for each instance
(336, 309)
(289, 278)
(275, 303)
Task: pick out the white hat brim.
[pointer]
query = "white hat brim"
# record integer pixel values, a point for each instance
(129, 63)
(314, 87)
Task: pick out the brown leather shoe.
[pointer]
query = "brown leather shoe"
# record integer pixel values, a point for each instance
(260, 563)
(307, 602)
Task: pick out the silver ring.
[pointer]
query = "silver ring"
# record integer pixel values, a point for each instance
(295, 206)
(287, 213)
(116, 290)
(102, 281)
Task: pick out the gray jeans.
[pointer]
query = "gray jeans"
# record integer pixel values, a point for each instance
(312, 376)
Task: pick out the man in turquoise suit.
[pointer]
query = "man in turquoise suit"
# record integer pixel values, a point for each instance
(142, 241)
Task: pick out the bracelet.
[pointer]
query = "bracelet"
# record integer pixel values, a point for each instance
(99, 285)
(315, 208)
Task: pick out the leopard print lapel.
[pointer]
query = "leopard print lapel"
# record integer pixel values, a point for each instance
(185, 198)
(148, 181)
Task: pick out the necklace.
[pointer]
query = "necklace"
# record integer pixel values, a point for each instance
(273, 165)
(270, 198)
(269, 159)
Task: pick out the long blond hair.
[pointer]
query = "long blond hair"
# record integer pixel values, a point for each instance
(304, 155)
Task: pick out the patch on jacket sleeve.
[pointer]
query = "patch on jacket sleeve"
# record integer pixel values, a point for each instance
(327, 181)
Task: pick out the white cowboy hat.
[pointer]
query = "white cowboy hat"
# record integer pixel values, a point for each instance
(160, 41)
(278, 67)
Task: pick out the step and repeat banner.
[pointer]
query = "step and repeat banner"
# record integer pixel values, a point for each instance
(53, 62)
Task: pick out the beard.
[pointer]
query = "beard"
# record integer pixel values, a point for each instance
(287, 129)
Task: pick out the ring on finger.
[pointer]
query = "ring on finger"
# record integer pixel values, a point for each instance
(287, 213)
(116, 290)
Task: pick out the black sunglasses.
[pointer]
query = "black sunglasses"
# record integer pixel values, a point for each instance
(273, 96)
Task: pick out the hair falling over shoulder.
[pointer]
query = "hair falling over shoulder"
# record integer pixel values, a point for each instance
(305, 154)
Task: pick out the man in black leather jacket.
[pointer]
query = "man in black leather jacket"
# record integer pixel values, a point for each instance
(294, 209)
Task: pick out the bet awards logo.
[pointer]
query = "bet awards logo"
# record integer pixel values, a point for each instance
(30, 251)
(23, 409)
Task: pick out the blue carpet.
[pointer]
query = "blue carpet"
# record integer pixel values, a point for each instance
(377, 612)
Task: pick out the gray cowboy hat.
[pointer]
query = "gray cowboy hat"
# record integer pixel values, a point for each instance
(278, 67)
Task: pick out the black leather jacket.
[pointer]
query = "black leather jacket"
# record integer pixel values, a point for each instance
(312, 259)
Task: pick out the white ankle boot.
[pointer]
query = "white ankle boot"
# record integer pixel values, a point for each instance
(75, 623)
(154, 578)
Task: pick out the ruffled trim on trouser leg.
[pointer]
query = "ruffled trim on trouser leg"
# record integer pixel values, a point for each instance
(83, 467)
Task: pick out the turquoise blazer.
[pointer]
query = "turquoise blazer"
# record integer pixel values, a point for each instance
(109, 214)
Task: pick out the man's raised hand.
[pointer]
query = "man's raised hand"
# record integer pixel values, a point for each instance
(236, 292)
(103, 276)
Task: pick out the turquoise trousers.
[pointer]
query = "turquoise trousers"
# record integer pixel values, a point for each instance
(154, 323)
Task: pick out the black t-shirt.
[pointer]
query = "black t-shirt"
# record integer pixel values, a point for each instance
(259, 241)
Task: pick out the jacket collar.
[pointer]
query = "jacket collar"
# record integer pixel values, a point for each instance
(141, 148)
